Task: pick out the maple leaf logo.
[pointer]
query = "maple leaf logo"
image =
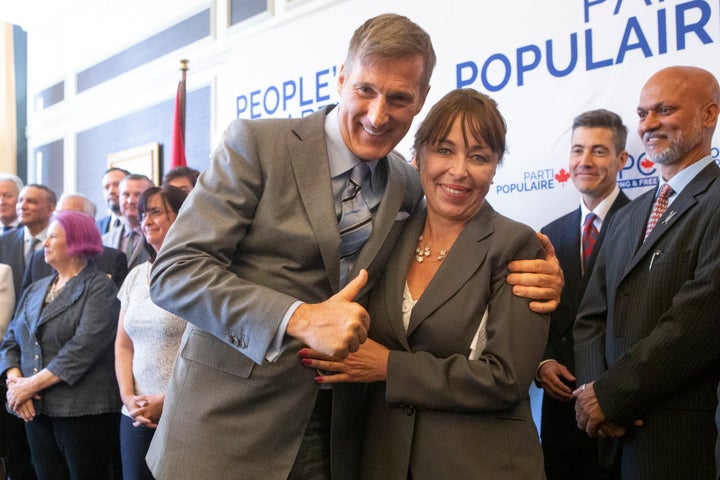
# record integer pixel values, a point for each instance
(562, 176)
(647, 164)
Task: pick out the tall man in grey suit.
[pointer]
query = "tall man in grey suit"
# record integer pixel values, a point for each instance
(597, 154)
(648, 328)
(254, 264)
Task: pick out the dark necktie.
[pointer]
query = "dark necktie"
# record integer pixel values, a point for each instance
(659, 207)
(32, 244)
(589, 236)
(356, 218)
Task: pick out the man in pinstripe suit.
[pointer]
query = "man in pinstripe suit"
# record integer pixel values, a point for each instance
(648, 328)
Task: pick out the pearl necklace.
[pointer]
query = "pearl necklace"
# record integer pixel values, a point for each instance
(421, 253)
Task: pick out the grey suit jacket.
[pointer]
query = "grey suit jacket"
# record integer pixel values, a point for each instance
(258, 233)
(648, 331)
(73, 337)
(136, 257)
(439, 413)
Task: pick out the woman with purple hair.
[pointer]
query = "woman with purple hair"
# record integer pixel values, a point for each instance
(57, 357)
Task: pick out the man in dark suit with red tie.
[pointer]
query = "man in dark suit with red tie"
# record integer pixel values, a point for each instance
(648, 328)
(597, 154)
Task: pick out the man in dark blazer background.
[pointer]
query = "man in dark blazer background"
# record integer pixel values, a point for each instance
(35, 206)
(111, 191)
(648, 328)
(111, 261)
(597, 154)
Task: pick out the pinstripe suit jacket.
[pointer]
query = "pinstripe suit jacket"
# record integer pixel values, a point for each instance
(648, 331)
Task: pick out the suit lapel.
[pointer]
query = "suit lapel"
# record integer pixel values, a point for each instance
(67, 297)
(682, 204)
(311, 167)
(465, 257)
(396, 272)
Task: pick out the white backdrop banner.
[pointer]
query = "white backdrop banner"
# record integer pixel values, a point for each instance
(544, 62)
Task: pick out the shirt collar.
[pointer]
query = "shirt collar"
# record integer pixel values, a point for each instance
(341, 158)
(681, 179)
(601, 209)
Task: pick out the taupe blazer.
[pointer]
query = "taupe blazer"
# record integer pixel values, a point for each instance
(258, 233)
(441, 414)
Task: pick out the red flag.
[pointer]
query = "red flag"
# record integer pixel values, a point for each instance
(178, 136)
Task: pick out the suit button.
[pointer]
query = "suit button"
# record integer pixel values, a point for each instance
(409, 410)
(35, 370)
(563, 340)
(37, 357)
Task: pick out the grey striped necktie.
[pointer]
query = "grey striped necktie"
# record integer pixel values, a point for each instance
(356, 219)
(32, 244)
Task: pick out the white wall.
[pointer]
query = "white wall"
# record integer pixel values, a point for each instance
(305, 41)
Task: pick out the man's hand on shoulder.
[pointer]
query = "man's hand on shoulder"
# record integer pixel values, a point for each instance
(540, 280)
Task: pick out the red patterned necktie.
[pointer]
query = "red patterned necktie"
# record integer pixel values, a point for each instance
(589, 235)
(661, 204)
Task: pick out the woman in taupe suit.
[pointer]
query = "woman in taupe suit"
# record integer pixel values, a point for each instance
(452, 350)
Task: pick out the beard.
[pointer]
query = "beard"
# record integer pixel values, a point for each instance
(679, 146)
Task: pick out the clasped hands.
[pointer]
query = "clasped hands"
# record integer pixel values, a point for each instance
(145, 410)
(20, 396)
(590, 417)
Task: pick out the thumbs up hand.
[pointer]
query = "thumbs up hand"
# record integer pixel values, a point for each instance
(335, 327)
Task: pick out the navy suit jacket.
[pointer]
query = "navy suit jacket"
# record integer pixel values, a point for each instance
(12, 252)
(103, 224)
(111, 261)
(648, 331)
(564, 233)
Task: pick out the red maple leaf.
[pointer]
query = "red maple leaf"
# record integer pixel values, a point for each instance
(647, 164)
(562, 176)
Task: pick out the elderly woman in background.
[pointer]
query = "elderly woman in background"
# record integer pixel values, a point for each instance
(452, 352)
(148, 338)
(57, 357)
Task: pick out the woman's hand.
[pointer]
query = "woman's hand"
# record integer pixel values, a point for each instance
(26, 411)
(19, 391)
(368, 364)
(145, 410)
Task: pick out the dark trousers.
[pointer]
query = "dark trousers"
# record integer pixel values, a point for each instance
(313, 459)
(72, 448)
(13, 444)
(134, 444)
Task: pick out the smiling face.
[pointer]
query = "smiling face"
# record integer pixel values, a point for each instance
(378, 102)
(456, 175)
(677, 114)
(156, 220)
(595, 163)
(34, 208)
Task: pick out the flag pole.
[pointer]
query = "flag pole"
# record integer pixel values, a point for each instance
(178, 158)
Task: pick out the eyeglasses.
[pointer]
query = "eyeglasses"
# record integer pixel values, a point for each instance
(152, 213)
